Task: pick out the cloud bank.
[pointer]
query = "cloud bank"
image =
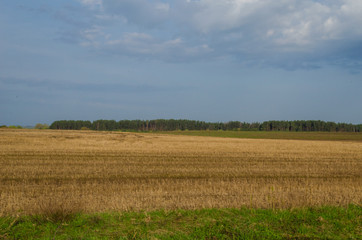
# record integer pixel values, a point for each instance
(283, 33)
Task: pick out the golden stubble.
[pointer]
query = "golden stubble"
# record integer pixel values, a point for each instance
(106, 171)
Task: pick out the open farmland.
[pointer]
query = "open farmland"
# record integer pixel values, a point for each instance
(326, 136)
(104, 171)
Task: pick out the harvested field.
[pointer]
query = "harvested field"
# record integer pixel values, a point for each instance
(105, 171)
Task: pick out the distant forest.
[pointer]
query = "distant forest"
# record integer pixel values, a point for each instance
(182, 125)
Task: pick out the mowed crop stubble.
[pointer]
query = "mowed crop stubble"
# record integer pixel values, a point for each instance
(112, 171)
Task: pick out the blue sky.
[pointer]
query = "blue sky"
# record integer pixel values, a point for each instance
(211, 60)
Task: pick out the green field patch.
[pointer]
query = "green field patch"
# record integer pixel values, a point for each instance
(303, 223)
(326, 136)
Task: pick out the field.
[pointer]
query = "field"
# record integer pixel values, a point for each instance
(102, 171)
(87, 171)
(326, 136)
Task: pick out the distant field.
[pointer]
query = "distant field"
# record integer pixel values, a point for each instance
(328, 136)
(112, 171)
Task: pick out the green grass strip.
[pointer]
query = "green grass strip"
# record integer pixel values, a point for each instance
(305, 223)
(325, 136)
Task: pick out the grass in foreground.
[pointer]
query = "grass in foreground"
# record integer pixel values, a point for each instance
(302, 223)
(326, 136)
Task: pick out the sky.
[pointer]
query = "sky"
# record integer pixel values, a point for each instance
(209, 60)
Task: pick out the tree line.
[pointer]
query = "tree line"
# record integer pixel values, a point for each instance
(182, 124)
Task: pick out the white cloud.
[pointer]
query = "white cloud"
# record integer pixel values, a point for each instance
(210, 16)
(145, 45)
(302, 19)
(93, 37)
(141, 12)
(247, 29)
(93, 4)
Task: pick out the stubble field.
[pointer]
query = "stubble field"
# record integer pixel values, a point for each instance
(112, 171)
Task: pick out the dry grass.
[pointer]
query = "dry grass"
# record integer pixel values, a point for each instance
(102, 171)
